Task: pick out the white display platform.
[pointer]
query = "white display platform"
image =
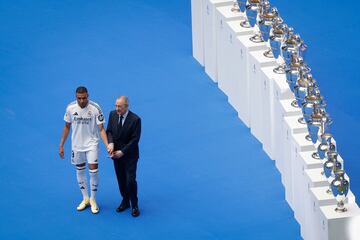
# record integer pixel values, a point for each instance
(303, 162)
(257, 60)
(262, 99)
(229, 57)
(225, 38)
(319, 198)
(299, 144)
(241, 101)
(335, 226)
(275, 89)
(283, 109)
(197, 18)
(209, 26)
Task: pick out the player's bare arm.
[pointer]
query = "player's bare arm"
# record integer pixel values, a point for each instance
(64, 135)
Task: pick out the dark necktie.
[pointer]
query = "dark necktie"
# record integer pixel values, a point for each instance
(120, 121)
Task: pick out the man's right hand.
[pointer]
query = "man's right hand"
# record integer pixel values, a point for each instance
(61, 152)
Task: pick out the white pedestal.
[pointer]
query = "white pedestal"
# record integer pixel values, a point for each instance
(277, 89)
(210, 49)
(303, 162)
(241, 101)
(335, 226)
(257, 60)
(281, 91)
(313, 179)
(225, 39)
(319, 198)
(197, 18)
(283, 109)
(299, 145)
(229, 56)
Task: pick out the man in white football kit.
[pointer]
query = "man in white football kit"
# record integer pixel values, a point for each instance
(86, 120)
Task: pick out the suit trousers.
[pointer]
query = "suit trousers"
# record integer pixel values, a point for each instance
(125, 170)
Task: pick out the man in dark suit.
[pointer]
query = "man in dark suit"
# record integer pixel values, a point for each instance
(123, 131)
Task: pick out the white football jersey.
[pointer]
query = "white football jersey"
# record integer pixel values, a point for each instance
(84, 125)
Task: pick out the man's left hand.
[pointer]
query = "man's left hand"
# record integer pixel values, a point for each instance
(117, 154)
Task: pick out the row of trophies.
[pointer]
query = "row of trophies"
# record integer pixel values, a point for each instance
(289, 49)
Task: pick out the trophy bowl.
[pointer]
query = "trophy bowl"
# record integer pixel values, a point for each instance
(276, 41)
(331, 165)
(252, 9)
(326, 145)
(266, 23)
(313, 128)
(242, 5)
(340, 189)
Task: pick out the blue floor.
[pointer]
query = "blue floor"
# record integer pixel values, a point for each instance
(201, 174)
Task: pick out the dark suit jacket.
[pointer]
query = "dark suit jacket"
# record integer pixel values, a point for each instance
(127, 138)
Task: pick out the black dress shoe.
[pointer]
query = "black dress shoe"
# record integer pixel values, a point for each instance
(135, 212)
(123, 206)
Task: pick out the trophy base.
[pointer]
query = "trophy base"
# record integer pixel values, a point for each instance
(294, 104)
(308, 138)
(245, 24)
(340, 210)
(340, 207)
(315, 155)
(269, 54)
(256, 39)
(301, 120)
(279, 70)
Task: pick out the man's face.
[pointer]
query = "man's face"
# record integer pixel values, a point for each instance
(82, 99)
(120, 106)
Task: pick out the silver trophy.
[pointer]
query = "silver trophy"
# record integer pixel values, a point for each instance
(296, 70)
(340, 188)
(331, 166)
(312, 101)
(293, 45)
(301, 90)
(278, 36)
(327, 144)
(235, 7)
(269, 18)
(253, 8)
(242, 8)
(319, 123)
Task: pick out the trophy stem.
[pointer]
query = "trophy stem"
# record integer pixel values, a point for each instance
(245, 24)
(340, 207)
(256, 38)
(315, 155)
(302, 120)
(269, 54)
(235, 8)
(279, 69)
(294, 104)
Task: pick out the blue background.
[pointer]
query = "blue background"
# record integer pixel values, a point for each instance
(201, 174)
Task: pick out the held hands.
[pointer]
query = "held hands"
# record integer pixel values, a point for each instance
(110, 148)
(117, 154)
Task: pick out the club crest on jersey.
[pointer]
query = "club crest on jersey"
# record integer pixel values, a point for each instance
(101, 117)
(89, 113)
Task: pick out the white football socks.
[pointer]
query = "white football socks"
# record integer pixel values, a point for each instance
(94, 181)
(82, 181)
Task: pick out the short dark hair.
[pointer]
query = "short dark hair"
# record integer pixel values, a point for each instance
(81, 89)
